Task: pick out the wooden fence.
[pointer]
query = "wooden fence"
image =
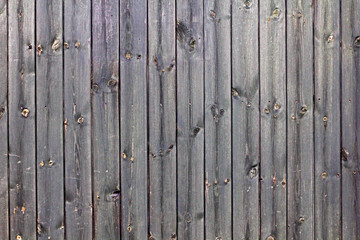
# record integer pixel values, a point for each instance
(187, 119)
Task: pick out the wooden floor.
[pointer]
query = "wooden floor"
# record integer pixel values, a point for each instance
(179, 119)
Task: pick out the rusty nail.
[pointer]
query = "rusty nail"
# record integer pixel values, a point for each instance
(18, 237)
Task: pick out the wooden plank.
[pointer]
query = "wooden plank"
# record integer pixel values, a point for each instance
(4, 196)
(22, 131)
(190, 119)
(350, 119)
(273, 119)
(300, 166)
(327, 120)
(133, 95)
(162, 119)
(218, 182)
(105, 110)
(77, 122)
(49, 119)
(245, 119)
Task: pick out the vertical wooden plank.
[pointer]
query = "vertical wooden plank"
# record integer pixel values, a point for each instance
(4, 198)
(133, 85)
(49, 120)
(77, 122)
(350, 119)
(245, 119)
(300, 119)
(190, 119)
(327, 120)
(105, 119)
(162, 119)
(273, 119)
(218, 212)
(22, 142)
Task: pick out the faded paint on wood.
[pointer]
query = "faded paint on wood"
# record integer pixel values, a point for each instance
(162, 119)
(300, 142)
(273, 119)
(133, 113)
(4, 197)
(327, 120)
(245, 120)
(77, 119)
(105, 119)
(218, 183)
(49, 119)
(22, 119)
(190, 119)
(350, 70)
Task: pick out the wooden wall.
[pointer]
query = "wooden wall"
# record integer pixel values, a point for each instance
(180, 119)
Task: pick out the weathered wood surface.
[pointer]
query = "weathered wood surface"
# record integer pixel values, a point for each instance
(105, 119)
(273, 119)
(218, 180)
(179, 119)
(350, 69)
(300, 144)
(77, 119)
(133, 113)
(49, 119)
(327, 120)
(162, 119)
(4, 197)
(190, 120)
(245, 119)
(22, 119)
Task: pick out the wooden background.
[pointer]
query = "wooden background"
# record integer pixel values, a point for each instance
(187, 119)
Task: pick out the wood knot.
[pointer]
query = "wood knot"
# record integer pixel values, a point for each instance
(212, 14)
(128, 55)
(344, 154)
(357, 41)
(39, 49)
(2, 112)
(330, 38)
(248, 4)
(66, 45)
(95, 87)
(56, 44)
(77, 44)
(266, 110)
(18, 237)
(301, 219)
(276, 13)
(324, 175)
(81, 120)
(304, 109)
(25, 112)
(270, 238)
(111, 83)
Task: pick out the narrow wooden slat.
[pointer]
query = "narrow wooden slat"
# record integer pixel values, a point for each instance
(190, 119)
(300, 119)
(273, 119)
(245, 119)
(22, 142)
(4, 217)
(327, 120)
(77, 119)
(218, 181)
(49, 110)
(133, 144)
(350, 119)
(105, 111)
(162, 119)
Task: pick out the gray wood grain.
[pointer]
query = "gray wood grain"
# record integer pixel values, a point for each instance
(105, 119)
(327, 120)
(133, 112)
(22, 131)
(4, 197)
(300, 119)
(77, 119)
(49, 119)
(162, 119)
(273, 119)
(190, 119)
(245, 119)
(350, 119)
(218, 182)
